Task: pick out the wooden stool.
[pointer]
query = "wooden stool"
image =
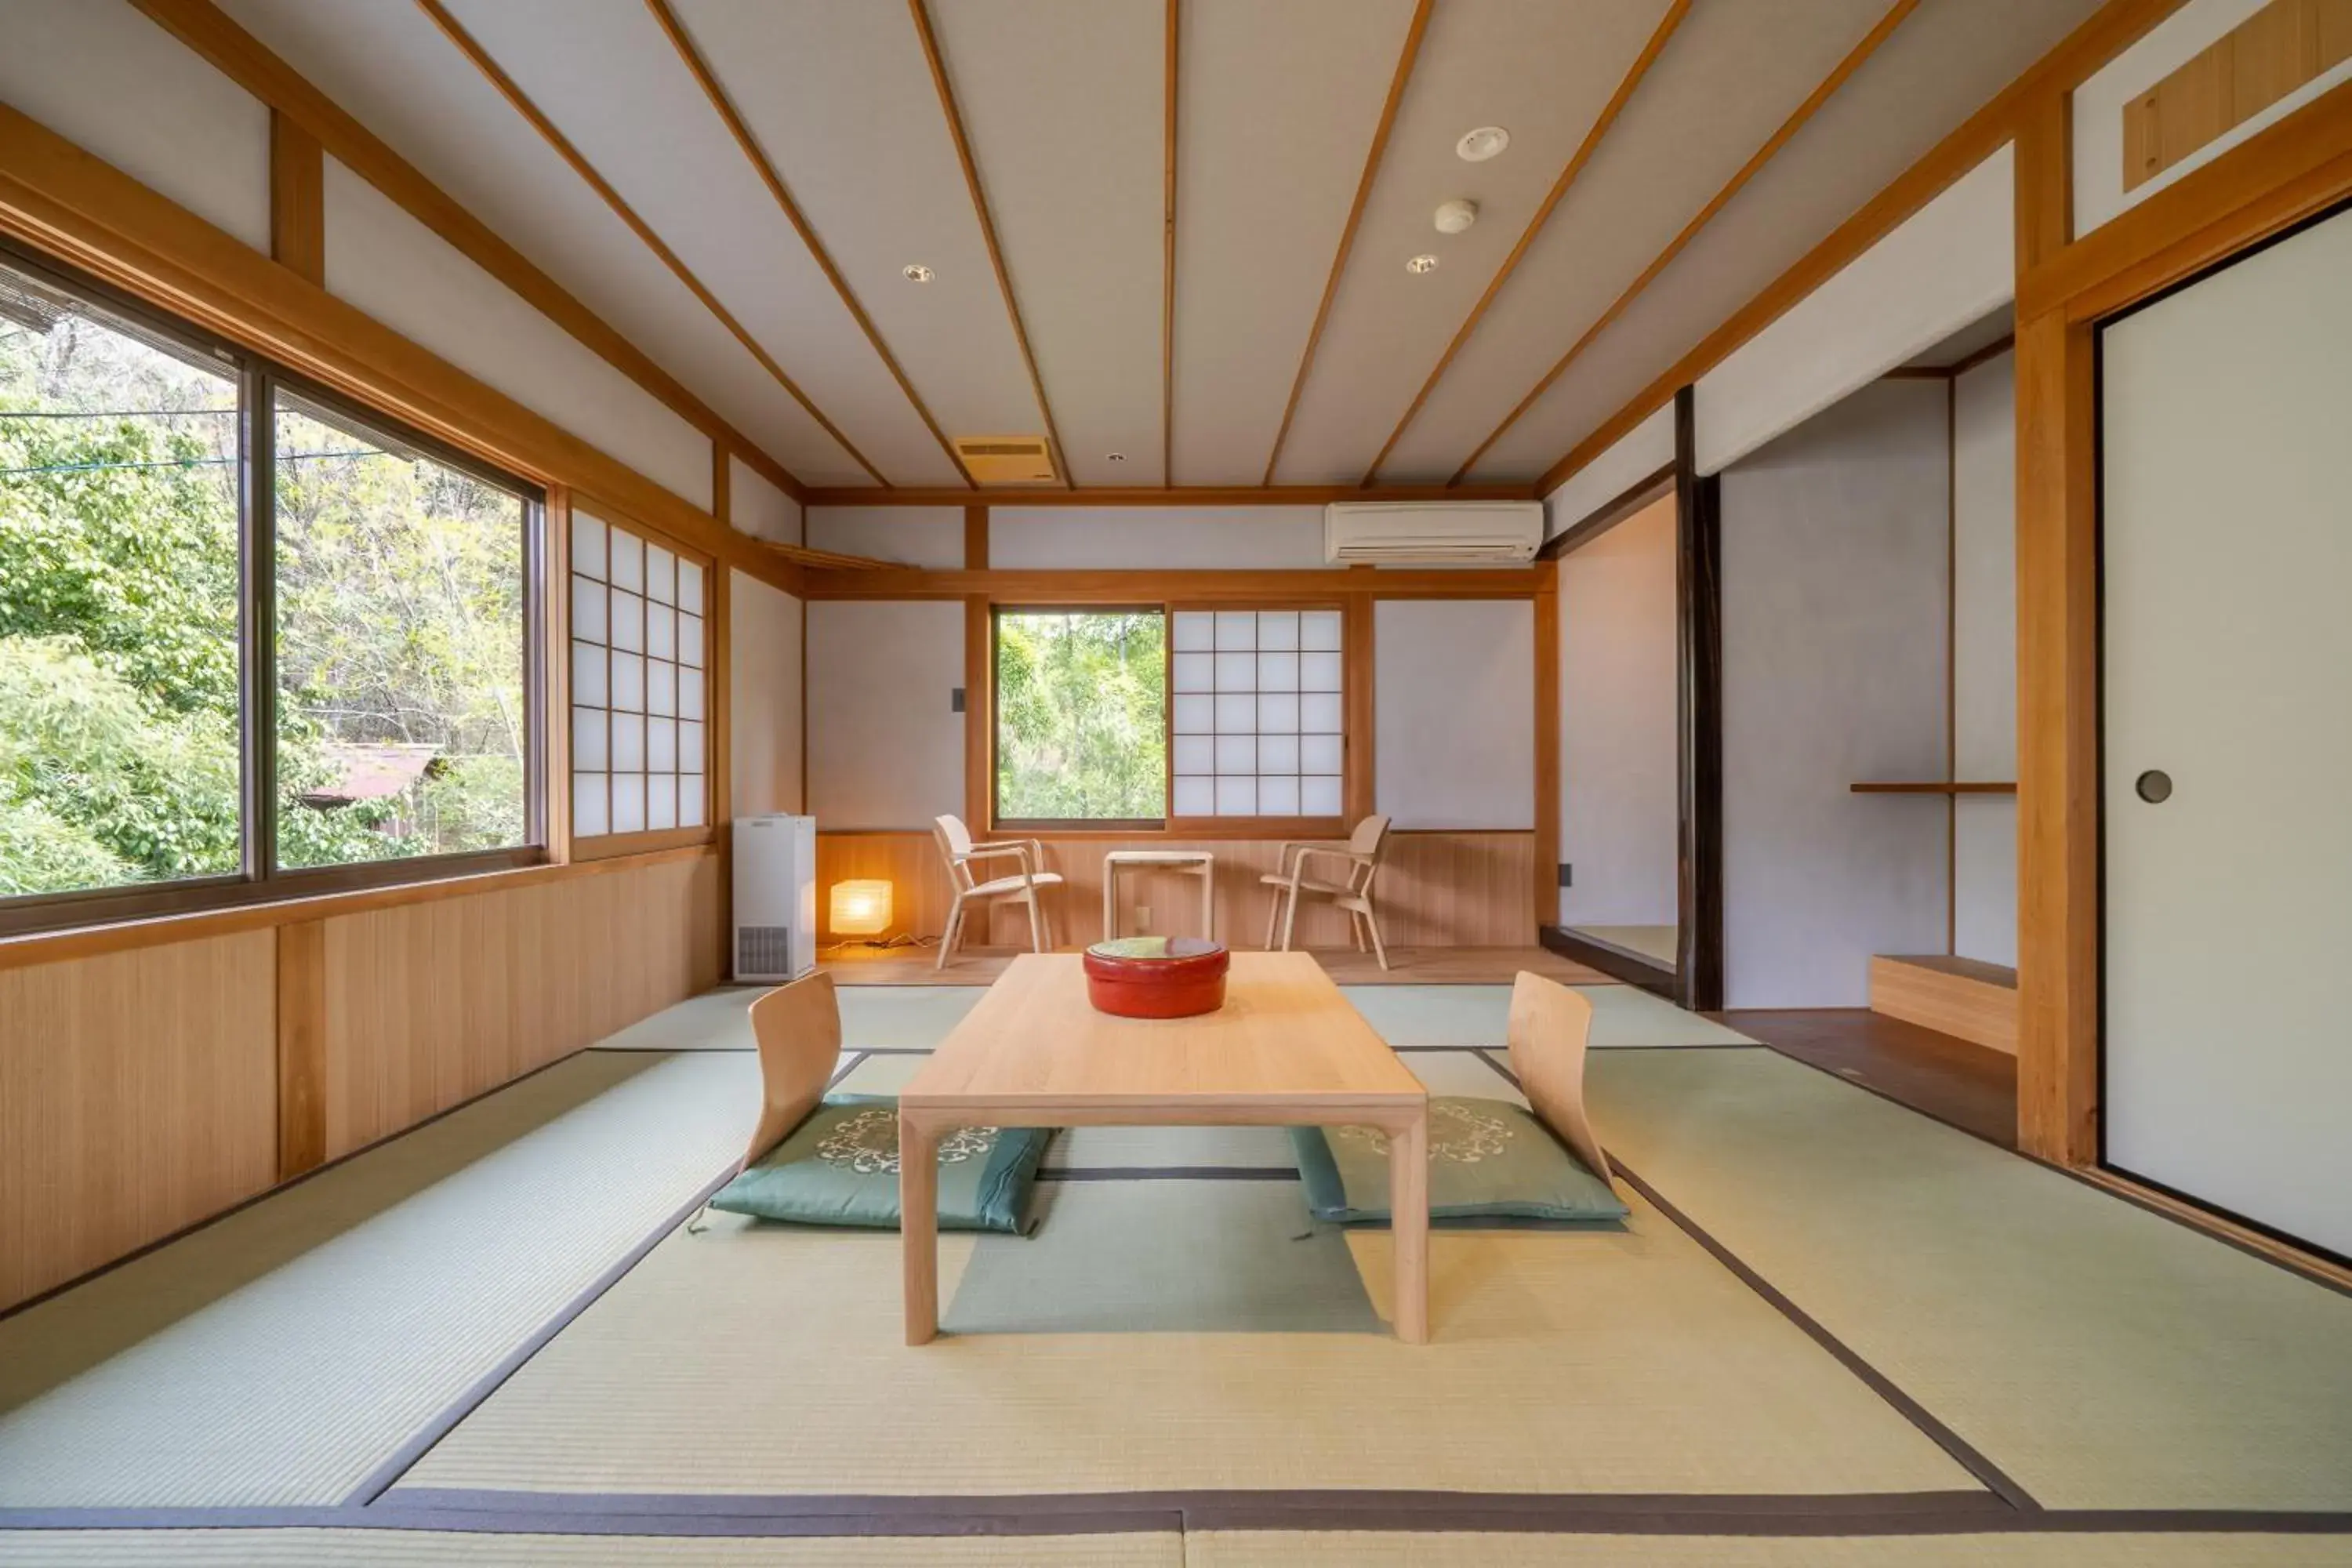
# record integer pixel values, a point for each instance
(1199, 862)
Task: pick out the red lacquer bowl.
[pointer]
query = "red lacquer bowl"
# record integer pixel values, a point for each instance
(1157, 977)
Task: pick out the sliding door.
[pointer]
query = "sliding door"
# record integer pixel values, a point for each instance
(2227, 671)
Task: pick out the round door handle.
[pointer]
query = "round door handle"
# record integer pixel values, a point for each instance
(2154, 786)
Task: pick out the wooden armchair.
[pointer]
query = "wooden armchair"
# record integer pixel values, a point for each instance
(1551, 1027)
(1348, 883)
(958, 849)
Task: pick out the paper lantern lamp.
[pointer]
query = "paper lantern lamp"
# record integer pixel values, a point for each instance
(861, 908)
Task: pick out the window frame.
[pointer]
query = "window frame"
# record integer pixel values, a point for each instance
(258, 879)
(1168, 825)
(608, 845)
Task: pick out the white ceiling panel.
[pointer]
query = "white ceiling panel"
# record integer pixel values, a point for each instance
(842, 102)
(1542, 69)
(604, 72)
(1064, 101)
(1938, 68)
(1730, 76)
(390, 68)
(1266, 172)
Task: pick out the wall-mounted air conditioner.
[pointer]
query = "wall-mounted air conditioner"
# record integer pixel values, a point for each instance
(775, 897)
(1433, 534)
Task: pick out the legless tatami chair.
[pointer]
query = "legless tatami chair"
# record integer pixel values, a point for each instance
(959, 851)
(1549, 1030)
(798, 1030)
(1347, 882)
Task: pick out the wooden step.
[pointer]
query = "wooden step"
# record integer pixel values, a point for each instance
(1962, 996)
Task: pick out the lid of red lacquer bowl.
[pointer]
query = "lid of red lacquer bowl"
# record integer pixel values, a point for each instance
(1157, 958)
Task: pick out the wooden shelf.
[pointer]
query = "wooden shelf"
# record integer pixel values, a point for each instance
(1934, 788)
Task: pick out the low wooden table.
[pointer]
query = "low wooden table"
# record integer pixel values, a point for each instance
(1199, 863)
(1286, 1049)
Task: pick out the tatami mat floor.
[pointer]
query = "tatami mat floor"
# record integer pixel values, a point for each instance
(1832, 1331)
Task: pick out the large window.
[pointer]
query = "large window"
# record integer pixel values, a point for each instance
(640, 737)
(246, 634)
(1142, 716)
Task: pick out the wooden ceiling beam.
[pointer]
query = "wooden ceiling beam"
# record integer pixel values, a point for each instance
(1853, 62)
(2107, 33)
(699, 69)
(522, 103)
(1176, 495)
(1585, 148)
(1168, 255)
(928, 36)
(236, 54)
(1405, 58)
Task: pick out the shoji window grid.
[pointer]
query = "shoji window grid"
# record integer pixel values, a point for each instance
(640, 685)
(1257, 713)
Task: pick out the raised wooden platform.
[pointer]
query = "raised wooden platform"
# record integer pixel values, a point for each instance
(856, 966)
(1961, 997)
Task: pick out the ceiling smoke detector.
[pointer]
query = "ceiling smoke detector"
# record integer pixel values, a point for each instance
(1455, 216)
(1477, 146)
(1421, 264)
(916, 272)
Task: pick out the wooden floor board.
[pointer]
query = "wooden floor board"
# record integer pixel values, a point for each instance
(1971, 1086)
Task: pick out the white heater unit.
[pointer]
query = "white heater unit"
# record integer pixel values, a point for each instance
(775, 897)
(1433, 534)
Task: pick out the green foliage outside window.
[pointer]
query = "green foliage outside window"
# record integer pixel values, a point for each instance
(120, 701)
(1081, 715)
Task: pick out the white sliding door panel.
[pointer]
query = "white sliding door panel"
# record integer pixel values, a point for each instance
(2228, 666)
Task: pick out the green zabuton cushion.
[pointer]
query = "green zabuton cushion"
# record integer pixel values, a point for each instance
(841, 1167)
(1488, 1159)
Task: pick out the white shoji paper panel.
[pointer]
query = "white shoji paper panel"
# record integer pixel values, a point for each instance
(640, 746)
(1257, 713)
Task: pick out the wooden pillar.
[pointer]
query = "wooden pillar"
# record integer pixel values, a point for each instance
(1698, 591)
(1547, 848)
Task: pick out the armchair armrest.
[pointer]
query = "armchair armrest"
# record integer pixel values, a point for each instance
(1030, 851)
(1282, 857)
(1329, 852)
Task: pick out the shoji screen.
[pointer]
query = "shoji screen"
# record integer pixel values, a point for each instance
(1257, 713)
(639, 649)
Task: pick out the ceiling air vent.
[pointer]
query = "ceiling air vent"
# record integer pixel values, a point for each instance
(1006, 459)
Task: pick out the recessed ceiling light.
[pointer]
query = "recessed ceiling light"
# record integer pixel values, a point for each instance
(1422, 264)
(916, 272)
(1115, 456)
(1455, 216)
(1477, 146)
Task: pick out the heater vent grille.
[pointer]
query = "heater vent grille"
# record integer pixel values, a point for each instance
(763, 952)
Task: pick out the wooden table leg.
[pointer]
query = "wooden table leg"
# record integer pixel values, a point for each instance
(919, 1227)
(1409, 1225)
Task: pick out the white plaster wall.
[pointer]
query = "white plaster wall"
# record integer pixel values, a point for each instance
(758, 508)
(1834, 627)
(115, 84)
(1619, 756)
(2098, 107)
(1639, 453)
(405, 276)
(1155, 538)
(929, 536)
(886, 749)
(1951, 263)
(1454, 712)
(763, 696)
(1984, 669)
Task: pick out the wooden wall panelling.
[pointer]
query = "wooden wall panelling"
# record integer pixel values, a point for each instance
(429, 1005)
(979, 715)
(1464, 889)
(301, 1047)
(2269, 55)
(297, 200)
(975, 539)
(138, 1095)
(1362, 780)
